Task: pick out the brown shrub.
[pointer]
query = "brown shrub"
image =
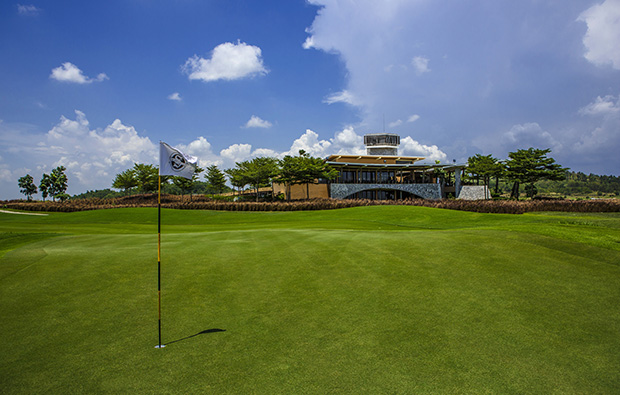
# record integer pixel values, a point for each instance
(204, 203)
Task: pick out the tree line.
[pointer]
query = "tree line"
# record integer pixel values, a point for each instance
(529, 169)
(578, 183)
(523, 167)
(53, 185)
(256, 173)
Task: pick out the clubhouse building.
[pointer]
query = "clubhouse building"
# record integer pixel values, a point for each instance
(382, 174)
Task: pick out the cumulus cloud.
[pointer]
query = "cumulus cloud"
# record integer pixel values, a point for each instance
(431, 153)
(201, 149)
(380, 44)
(420, 65)
(602, 39)
(175, 96)
(228, 61)
(28, 10)
(256, 122)
(589, 144)
(529, 135)
(347, 142)
(309, 142)
(520, 136)
(396, 123)
(603, 138)
(97, 154)
(344, 142)
(68, 72)
(237, 152)
(92, 156)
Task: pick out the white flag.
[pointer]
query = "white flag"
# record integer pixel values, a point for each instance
(173, 162)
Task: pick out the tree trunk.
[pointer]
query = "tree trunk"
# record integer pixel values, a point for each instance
(515, 190)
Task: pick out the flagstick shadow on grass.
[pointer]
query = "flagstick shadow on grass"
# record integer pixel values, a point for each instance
(214, 330)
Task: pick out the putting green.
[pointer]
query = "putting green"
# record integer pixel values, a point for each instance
(371, 299)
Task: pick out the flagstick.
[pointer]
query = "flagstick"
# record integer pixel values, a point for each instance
(159, 261)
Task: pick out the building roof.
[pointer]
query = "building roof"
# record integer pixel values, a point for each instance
(372, 158)
(398, 166)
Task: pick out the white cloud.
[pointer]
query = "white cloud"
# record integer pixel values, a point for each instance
(342, 97)
(309, 142)
(266, 152)
(237, 152)
(201, 149)
(309, 43)
(92, 156)
(520, 136)
(256, 122)
(228, 62)
(175, 96)
(602, 40)
(397, 56)
(604, 138)
(28, 10)
(399, 122)
(530, 135)
(601, 142)
(376, 41)
(420, 64)
(68, 72)
(411, 147)
(602, 106)
(347, 142)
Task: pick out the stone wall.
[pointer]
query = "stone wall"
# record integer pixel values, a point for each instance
(426, 191)
(474, 192)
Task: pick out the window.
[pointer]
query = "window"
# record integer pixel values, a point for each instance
(386, 177)
(346, 177)
(369, 177)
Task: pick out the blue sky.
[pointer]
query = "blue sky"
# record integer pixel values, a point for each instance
(95, 85)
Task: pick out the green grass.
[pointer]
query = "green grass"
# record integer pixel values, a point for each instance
(382, 299)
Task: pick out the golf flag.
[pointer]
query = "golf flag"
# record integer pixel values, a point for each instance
(173, 162)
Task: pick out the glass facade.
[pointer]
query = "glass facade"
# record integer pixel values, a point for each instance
(362, 176)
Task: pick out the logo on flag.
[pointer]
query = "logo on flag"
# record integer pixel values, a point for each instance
(173, 162)
(177, 161)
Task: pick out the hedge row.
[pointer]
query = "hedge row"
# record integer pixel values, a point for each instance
(203, 203)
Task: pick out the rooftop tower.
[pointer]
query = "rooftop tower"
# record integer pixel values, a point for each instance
(382, 143)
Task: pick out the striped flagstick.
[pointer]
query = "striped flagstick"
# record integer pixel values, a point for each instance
(159, 262)
(172, 162)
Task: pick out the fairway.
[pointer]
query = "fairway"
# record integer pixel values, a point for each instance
(383, 299)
